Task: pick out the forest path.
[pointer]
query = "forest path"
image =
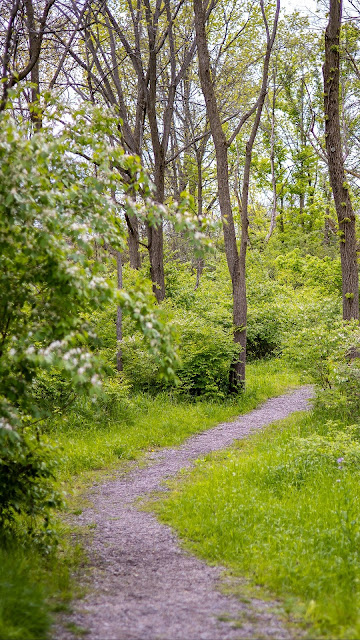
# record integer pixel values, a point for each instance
(143, 585)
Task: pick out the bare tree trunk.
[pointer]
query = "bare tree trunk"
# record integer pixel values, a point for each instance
(340, 189)
(133, 241)
(156, 255)
(272, 164)
(281, 215)
(155, 233)
(119, 362)
(222, 168)
(200, 263)
(327, 225)
(236, 260)
(35, 114)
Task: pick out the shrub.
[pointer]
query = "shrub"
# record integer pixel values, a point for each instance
(52, 207)
(330, 354)
(27, 467)
(206, 352)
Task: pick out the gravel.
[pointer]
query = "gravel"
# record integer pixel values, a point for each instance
(142, 584)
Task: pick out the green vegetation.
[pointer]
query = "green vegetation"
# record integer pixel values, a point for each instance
(98, 437)
(33, 587)
(282, 508)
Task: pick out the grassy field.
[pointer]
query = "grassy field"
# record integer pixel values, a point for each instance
(93, 440)
(283, 509)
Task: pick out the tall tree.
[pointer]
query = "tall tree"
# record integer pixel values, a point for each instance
(340, 188)
(236, 259)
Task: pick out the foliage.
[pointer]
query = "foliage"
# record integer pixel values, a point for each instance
(27, 467)
(69, 187)
(299, 270)
(23, 611)
(330, 354)
(52, 208)
(34, 586)
(206, 353)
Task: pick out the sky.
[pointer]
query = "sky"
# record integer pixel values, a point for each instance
(303, 6)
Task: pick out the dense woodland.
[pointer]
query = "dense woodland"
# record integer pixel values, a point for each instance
(179, 223)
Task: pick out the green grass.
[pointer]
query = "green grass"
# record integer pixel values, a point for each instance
(94, 437)
(24, 614)
(32, 587)
(280, 510)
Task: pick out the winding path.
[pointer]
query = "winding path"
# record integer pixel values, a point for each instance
(143, 585)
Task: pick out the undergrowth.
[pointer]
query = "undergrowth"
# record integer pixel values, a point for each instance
(94, 437)
(33, 587)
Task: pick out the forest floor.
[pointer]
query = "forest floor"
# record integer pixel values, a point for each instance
(140, 583)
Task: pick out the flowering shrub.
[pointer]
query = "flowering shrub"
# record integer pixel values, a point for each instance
(53, 206)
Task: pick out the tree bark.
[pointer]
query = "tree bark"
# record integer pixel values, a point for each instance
(237, 375)
(340, 188)
(35, 113)
(119, 362)
(133, 242)
(156, 255)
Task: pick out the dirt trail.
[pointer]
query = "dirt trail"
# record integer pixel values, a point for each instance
(144, 586)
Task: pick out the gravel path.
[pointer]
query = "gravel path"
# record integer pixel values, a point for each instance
(143, 585)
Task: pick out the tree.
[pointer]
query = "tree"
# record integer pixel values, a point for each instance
(236, 259)
(23, 28)
(334, 149)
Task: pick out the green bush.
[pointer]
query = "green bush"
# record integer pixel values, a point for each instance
(206, 352)
(330, 354)
(27, 468)
(310, 271)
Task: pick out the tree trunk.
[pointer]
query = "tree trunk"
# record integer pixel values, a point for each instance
(340, 189)
(133, 241)
(155, 233)
(237, 373)
(200, 263)
(156, 255)
(35, 113)
(119, 363)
